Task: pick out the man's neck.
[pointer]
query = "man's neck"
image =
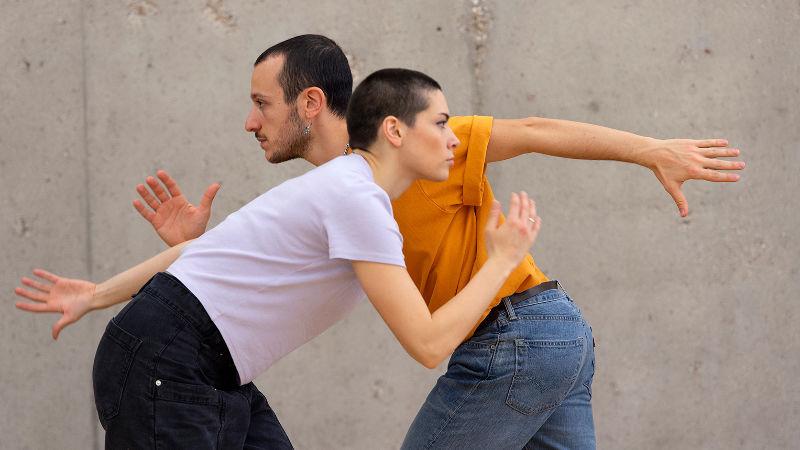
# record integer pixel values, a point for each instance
(330, 140)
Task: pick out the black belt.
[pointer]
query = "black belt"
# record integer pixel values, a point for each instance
(494, 313)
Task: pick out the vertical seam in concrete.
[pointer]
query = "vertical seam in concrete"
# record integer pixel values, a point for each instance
(480, 20)
(86, 193)
(86, 165)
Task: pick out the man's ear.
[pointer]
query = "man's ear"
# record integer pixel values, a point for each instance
(393, 130)
(310, 102)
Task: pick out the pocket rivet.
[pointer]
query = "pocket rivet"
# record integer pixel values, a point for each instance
(158, 382)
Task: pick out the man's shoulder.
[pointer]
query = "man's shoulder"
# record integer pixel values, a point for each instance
(347, 182)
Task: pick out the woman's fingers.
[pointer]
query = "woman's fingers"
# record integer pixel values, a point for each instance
(513, 207)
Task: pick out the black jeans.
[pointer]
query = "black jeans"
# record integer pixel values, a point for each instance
(163, 378)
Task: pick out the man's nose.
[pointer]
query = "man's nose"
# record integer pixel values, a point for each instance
(251, 124)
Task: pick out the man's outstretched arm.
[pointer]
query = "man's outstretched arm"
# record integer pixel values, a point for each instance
(74, 298)
(171, 215)
(673, 161)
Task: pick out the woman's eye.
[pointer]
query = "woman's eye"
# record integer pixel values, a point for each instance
(442, 123)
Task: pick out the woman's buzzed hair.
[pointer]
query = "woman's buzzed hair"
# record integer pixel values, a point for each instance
(388, 92)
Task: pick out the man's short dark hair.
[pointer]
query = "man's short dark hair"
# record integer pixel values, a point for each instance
(312, 60)
(388, 92)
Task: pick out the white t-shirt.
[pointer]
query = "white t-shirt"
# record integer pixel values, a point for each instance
(277, 273)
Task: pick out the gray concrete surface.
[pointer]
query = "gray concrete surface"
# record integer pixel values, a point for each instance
(695, 318)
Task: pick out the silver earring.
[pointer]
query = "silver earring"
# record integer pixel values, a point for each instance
(307, 128)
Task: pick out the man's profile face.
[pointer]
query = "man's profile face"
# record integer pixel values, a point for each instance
(276, 124)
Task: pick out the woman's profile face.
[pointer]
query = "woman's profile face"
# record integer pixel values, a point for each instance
(428, 147)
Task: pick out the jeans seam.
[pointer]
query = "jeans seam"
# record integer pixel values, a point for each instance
(538, 299)
(589, 381)
(572, 381)
(221, 420)
(551, 317)
(438, 432)
(126, 369)
(154, 375)
(178, 313)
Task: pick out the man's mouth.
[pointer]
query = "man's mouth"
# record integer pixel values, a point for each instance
(262, 142)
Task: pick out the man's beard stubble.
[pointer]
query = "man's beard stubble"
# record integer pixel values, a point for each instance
(292, 142)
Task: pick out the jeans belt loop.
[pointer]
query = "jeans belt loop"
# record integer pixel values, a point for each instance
(509, 301)
(509, 309)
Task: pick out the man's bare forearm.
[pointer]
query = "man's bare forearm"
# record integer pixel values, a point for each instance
(119, 288)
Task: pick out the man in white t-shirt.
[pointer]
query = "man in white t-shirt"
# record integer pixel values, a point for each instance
(287, 244)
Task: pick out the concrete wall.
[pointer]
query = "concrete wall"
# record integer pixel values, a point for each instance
(694, 318)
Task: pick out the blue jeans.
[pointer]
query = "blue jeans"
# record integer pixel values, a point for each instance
(523, 380)
(163, 378)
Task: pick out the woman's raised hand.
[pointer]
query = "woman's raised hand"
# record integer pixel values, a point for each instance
(512, 239)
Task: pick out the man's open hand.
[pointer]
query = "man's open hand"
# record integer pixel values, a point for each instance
(171, 215)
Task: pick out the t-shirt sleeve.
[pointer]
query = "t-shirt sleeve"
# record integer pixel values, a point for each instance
(360, 227)
(474, 133)
(466, 181)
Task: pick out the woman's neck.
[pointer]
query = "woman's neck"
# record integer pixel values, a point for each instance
(387, 172)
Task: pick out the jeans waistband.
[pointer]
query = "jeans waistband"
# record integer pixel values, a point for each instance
(179, 298)
(506, 303)
(178, 309)
(528, 293)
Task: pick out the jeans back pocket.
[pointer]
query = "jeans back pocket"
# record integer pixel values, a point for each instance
(192, 415)
(112, 363)
(545, 372)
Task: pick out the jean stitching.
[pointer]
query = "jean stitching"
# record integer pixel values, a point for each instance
(517, 378)
(455, 410)
(178, 312)
(546, 296)
(221, 420)
(537, 300)
(551, 317)
(124, 370)
(588, 383)
(157, 358)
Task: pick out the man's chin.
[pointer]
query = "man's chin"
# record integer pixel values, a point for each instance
(270, 155)
(277, 157)
(272, 158)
